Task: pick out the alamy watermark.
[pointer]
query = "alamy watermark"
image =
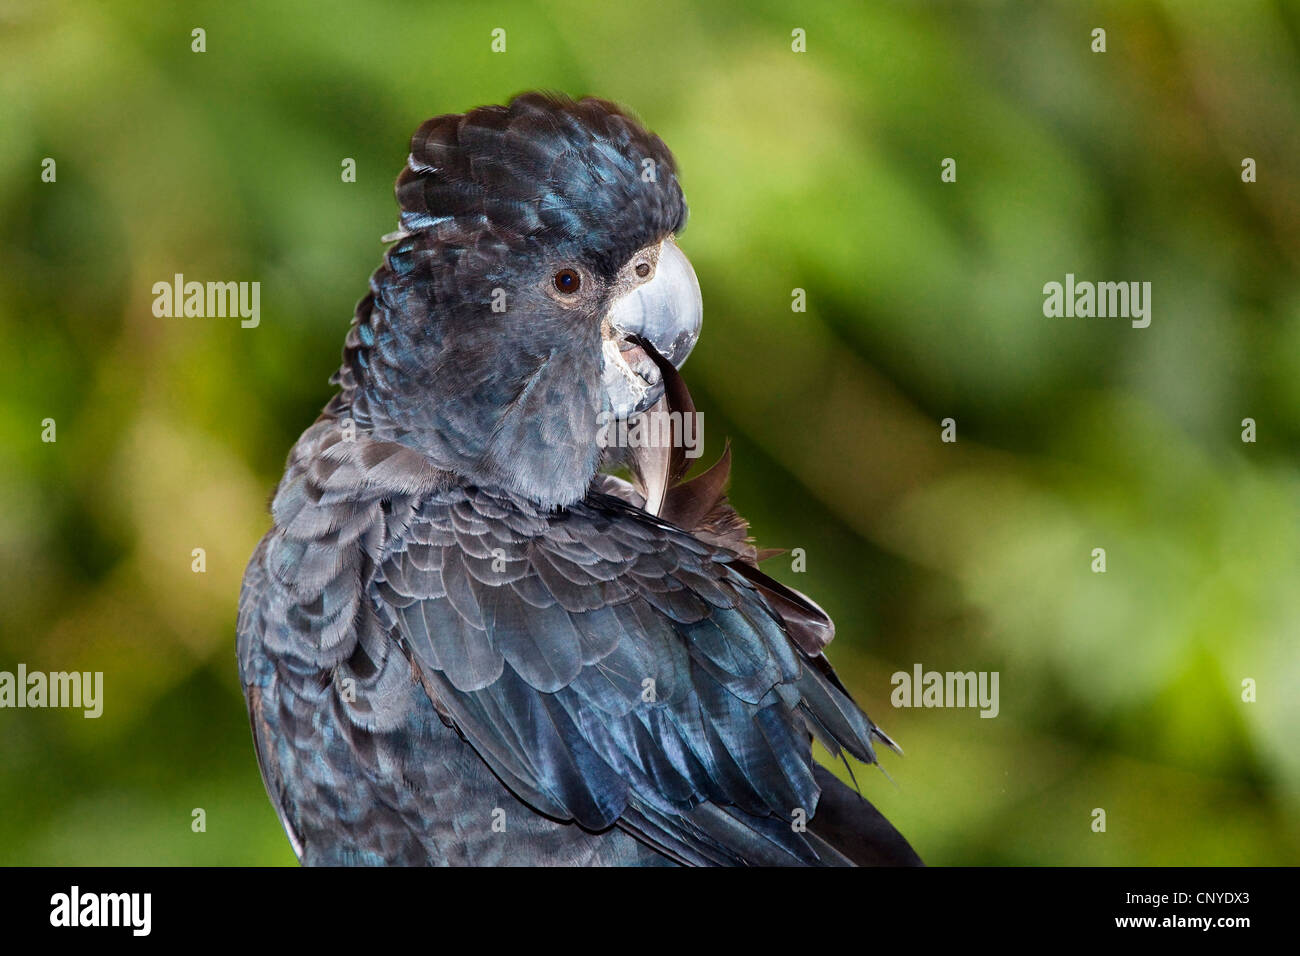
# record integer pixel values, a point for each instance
(1122, 300)
(75, 908)
(922, 688)
(76, 689)
(208, 300)
(653, 430)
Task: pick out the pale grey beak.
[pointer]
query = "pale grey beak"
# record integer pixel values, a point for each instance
(661, 316)
(668, 310)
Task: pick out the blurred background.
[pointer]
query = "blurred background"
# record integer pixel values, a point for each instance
(817, 170)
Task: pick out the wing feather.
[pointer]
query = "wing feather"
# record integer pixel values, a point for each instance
(620, 672)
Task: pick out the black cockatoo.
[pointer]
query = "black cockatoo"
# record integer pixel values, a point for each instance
(463, 641)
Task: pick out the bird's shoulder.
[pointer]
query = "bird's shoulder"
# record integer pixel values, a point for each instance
(613, 668)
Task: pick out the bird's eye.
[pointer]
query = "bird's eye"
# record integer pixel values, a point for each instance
(567, 281)
(643, 269)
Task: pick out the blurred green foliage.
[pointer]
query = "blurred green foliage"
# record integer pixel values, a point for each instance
(817, 170)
